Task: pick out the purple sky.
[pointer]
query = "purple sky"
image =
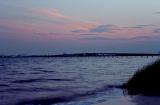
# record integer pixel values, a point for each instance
(69, 26)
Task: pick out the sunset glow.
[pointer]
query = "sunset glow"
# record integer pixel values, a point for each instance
(79, 26)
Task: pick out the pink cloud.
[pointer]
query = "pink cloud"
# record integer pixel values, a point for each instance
(82, 25)
(16, 26)
(51, 13)
(63, 30)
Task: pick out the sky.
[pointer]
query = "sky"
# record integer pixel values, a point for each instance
(72, 26)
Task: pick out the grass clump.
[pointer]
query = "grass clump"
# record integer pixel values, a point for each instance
(146, 81)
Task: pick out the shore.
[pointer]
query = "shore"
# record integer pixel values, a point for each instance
(143, 88)
(133, 100)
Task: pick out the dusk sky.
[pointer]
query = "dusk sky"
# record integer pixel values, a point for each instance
(70, 26)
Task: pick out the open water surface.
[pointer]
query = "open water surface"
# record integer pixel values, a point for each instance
(65, 81)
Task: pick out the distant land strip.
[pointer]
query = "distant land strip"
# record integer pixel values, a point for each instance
(82, 55)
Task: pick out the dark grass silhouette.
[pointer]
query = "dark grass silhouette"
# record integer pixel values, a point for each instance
(146, 81)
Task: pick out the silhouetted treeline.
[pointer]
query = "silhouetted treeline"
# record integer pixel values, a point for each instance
(82, 55)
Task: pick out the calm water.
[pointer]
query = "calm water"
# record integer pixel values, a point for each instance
(71, 81)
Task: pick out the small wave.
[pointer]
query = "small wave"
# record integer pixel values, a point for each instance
(4, 85)
(44, 101)
(61, 79)
(1, 65)
(31, 90)
(116, 86)
(37, 68)
(26, 81)
(43, 70)
(72, 97)
(46, 71)
(39, 80)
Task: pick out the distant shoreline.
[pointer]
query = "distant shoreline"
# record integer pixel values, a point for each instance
(82, 55)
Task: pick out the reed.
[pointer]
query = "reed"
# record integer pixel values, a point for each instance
(145, 81)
